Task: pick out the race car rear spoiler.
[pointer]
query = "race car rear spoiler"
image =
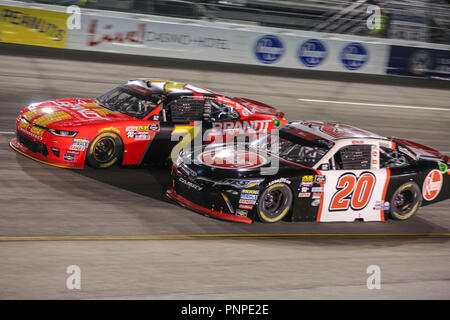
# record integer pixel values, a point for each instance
(422, 151)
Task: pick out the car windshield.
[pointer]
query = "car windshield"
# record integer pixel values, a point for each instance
(131, 100)
(293, 147)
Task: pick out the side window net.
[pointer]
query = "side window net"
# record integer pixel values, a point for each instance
(185, 110)
(356, 157)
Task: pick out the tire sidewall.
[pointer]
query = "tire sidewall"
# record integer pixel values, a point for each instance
(416, 203)
(286, 207)
(117, 153)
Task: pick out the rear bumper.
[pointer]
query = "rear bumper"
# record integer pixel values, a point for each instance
(171, 193)
(47, 156)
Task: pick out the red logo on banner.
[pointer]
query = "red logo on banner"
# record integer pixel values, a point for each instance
(432, 185)
(107, 34)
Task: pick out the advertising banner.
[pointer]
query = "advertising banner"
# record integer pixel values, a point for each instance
(142, 37)
(214, 42)
(33, 26)
(419, 62)
(315, 53)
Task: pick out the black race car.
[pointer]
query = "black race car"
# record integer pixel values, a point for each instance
(311, 171)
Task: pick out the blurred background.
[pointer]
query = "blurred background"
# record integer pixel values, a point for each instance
(417, 20)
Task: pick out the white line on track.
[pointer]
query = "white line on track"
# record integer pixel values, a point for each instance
(7, 132)
(381, 105)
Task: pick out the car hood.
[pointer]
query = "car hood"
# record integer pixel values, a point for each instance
(228, 161)
(62, 113)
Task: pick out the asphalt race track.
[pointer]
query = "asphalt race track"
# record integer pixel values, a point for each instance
(131, 242)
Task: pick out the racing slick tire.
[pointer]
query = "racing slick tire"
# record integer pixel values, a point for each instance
(405, 201)
(275, 203)
(105, 150)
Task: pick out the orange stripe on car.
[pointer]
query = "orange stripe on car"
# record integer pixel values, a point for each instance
(388, 178)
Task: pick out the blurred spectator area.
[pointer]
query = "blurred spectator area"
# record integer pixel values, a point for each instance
(423, 20)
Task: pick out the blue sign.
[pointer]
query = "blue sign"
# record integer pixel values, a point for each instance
(354, 56)
(269, 49)
(419, 62)
(312, 52)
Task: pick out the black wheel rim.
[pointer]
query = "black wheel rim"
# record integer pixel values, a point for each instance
(104, 149)
(403, 202)
(273, 202)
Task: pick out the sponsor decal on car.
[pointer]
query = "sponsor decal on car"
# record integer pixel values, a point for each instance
(250, 191)
(190, 184)
(245, 206)
(231, 158)
(304, 194)
(381, 205)
(131, 128)
(80, 109)
(378, 205)
(315, 203)
(386, 144)
(432, 185)
(304, 189)
(307, 178)
(317, 195)
(443, 167)
(247, 201)
(79, 144)
(142, 136)
(281, 180)
(247, 196)
(241, 213)
(36, 136)
(113, 129)
(69, 157)
(320, 179)
(317, 189)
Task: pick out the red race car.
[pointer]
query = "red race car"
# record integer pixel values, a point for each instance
(135, 123)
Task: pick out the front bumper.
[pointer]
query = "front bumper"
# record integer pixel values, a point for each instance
(171, 193)
(45, 150)
(209, 200)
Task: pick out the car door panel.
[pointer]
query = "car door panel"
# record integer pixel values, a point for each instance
(354, 194)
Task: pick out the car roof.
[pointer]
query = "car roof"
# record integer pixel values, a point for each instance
(329, 130)
(168, 87)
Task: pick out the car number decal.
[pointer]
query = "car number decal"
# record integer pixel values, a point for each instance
(353, 192)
